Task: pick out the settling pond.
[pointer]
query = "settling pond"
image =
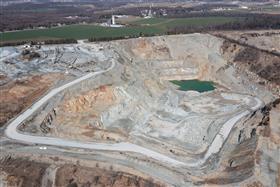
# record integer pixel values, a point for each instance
(196, 85)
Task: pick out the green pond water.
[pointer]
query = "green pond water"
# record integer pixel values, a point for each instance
(196, 85)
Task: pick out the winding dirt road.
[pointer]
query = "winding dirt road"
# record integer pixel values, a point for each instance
(13, 133)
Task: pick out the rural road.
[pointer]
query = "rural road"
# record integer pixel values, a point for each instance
(12, 132)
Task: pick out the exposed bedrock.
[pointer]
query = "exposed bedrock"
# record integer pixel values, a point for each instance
(182, 138)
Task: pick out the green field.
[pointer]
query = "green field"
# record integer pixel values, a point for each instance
(146, 26)
(77, 32)
(197, 21)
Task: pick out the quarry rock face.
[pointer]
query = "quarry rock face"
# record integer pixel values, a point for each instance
(127, 124)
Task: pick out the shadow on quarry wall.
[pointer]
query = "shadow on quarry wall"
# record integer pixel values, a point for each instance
(240, 164)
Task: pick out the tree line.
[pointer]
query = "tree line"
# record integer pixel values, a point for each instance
(40, 42)
(110, 38)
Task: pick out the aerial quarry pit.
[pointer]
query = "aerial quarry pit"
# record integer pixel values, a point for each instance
(109, 113)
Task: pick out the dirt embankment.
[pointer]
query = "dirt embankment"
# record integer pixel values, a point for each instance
(25, 173)
(16, 95)
(94, 101)
(266, 66)
(21, 173)
(79, 116)
(70, 175)
(263, 64)
(255, 159)
(237, 167)
(265, 40)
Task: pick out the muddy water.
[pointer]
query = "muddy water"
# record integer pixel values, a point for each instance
(196, 85)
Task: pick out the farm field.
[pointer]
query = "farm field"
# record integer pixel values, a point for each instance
(146, 26)
(173, 22)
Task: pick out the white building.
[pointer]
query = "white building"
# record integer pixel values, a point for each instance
(113, 21)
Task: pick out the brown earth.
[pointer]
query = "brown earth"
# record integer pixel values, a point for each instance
(264, 65)
(78, 117)
(93, 101)
(22, 173)
(150, 50)
(17, 172)
(71, 176)
(16, 95)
